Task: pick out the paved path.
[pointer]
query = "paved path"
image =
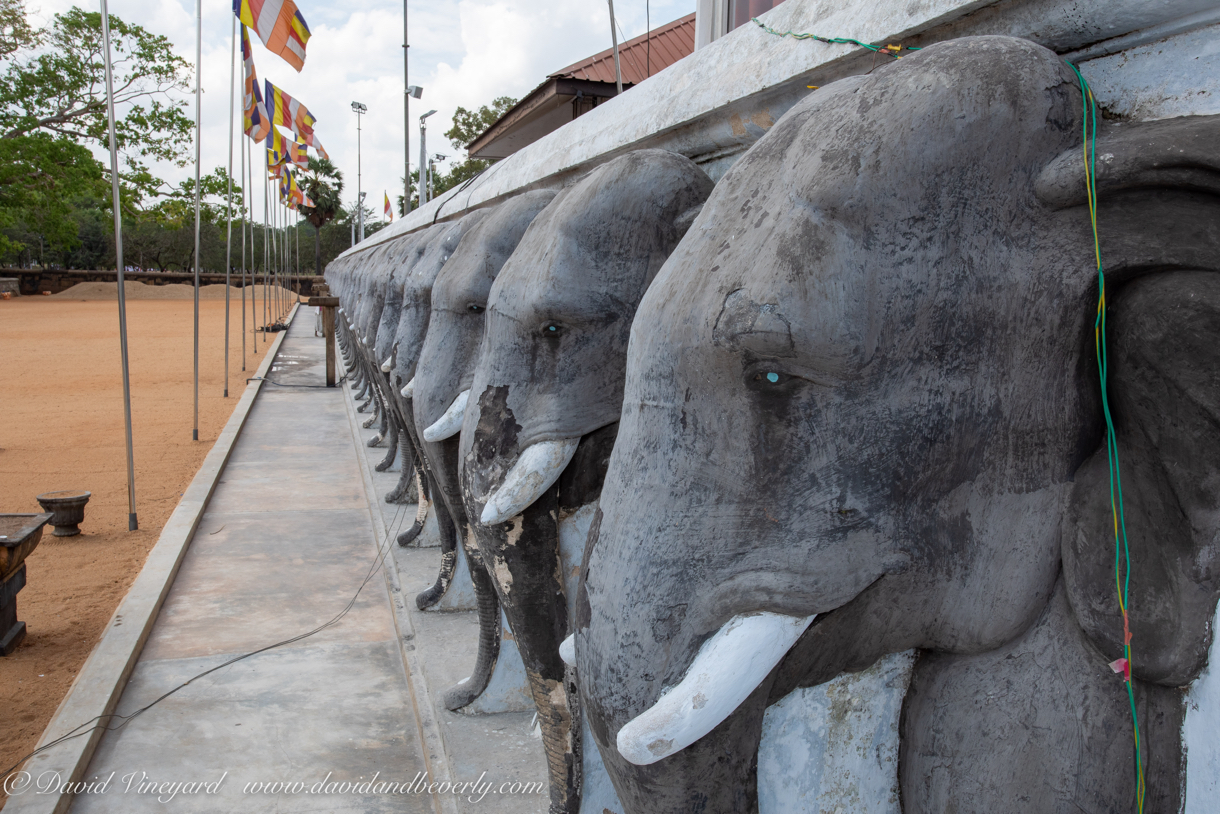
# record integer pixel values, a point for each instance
(282, 548)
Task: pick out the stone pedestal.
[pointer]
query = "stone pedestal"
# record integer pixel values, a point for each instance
(67, 509)
(19, 535)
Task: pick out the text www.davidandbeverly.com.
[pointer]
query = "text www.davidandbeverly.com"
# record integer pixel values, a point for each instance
(473, 790)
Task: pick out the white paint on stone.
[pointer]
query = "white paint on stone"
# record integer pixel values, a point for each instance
(1178, 76)
(1201, 734)
(597, 794)
(573, 532)
(834, 747)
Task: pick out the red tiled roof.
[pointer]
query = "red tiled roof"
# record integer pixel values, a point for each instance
(669, 43)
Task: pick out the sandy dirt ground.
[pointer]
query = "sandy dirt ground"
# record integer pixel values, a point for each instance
(61, 427)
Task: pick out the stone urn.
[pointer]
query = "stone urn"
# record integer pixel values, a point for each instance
(67, 510)
(19, 535)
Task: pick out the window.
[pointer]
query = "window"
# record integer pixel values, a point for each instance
(742, 11)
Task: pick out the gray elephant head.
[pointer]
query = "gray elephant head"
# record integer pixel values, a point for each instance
(460, 297)
(403, 254)
(858, 392)
(548, 382)
(441, 241)
(554, 357)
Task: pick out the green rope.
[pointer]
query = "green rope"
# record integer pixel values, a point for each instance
(888, 50)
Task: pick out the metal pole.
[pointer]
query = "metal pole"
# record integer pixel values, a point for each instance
(253, 261)
(244, 209)
(229, 197)
(359, 197)
(618, 75)
(266, 245)
(423, 161)
(198, 139)
(132, 522)
(406, 118)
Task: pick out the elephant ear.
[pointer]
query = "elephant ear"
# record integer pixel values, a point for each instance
(1159, 193)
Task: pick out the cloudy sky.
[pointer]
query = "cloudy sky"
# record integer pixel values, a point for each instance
(463, 52)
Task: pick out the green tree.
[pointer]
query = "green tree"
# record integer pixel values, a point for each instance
(323, 184)
(53, 106)
(467, 126)
(15, 30)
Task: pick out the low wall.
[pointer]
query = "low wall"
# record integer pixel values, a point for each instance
(35, 281)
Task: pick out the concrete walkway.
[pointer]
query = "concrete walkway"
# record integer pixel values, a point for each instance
(282, 548)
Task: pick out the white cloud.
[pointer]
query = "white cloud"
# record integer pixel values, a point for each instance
(463, 52)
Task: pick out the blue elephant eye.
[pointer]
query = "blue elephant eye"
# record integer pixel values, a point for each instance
(769, 378)
(552, 329)
(475, 308)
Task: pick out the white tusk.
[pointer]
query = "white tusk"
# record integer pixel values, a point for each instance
(727, 668)
(567, 650)
(365, 340)
(539, 466)
(450, 424)
(408, 389)
(387, 364)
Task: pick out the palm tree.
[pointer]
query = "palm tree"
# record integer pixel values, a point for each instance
(323, 184)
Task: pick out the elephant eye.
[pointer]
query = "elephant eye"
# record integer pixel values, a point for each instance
(770, 377)
(552, 329)
(475, 308)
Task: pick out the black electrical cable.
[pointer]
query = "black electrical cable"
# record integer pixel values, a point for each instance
(93, 723)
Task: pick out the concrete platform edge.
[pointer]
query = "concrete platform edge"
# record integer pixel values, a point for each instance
(98, 686)
(436, 757)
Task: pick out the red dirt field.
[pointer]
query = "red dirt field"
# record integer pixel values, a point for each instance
(61, 427)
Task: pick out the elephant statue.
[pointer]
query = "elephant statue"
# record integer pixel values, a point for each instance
(441, 388)
(399, 366)
(862, 421)
(544, 401)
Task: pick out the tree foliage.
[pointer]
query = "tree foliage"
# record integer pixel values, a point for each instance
(53, 109)
(15, 30)
(467, 126)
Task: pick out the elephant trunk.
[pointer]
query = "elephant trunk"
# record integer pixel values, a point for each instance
(470, 688)
(392, 447)
(448, 533)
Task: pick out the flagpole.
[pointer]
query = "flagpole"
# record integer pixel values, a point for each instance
(266, 245)
(406, 118)
(198, 138)
(242, 150)
(132, 522)
(229, 197)
(253, 263)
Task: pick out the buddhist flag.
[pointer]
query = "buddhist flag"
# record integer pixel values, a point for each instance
(388, 210)
(297, 153)
(279, 25)
(288, 112)
(255, 121)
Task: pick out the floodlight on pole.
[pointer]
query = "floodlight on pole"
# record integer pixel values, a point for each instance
(423, 158)
(413, 92)
(359, 110)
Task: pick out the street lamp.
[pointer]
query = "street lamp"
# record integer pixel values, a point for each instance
(413, 92)
(359, 110)
(423, 158)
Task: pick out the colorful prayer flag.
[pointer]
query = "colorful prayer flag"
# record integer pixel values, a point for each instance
(255, 121)
(388, 210)
(297, 153)
(289, 113)
(279, 25)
